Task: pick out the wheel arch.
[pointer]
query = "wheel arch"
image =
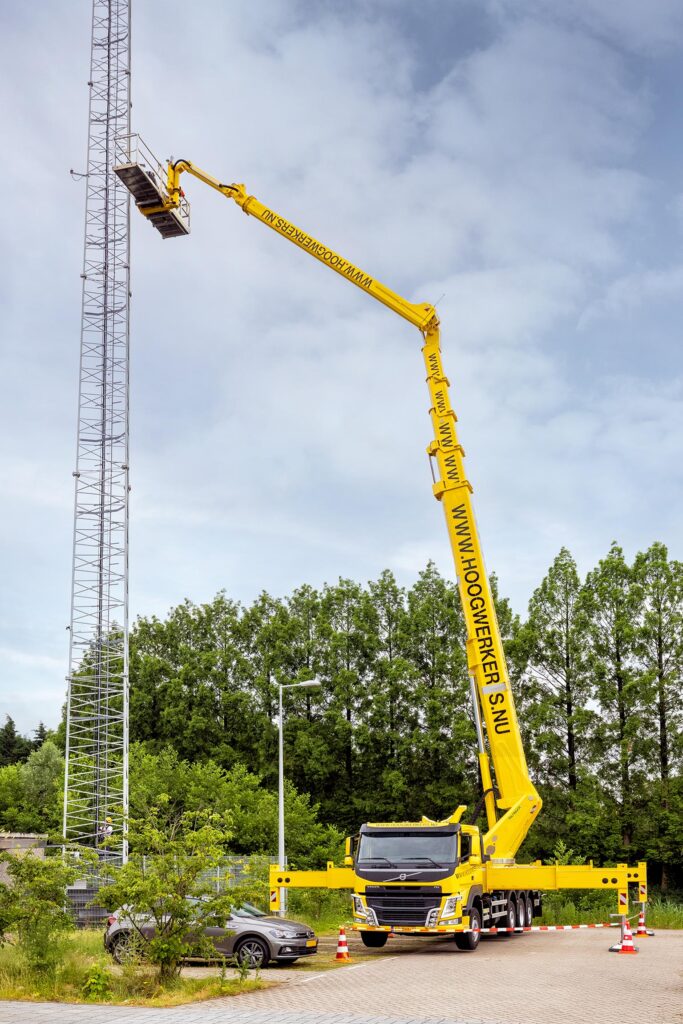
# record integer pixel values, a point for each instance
(474, 898)
(252, 935)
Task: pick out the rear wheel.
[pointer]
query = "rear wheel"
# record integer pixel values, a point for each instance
(374, 940)
(529, 911)
(468, 941)
(125, 947)
(522, 920)
(510, 919)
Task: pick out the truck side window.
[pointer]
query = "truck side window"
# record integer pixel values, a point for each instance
(465, 847)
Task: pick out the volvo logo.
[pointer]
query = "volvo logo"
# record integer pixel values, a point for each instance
(402, 877)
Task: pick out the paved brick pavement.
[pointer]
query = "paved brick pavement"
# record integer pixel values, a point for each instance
(566, 977)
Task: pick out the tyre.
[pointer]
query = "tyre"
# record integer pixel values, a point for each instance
(510, 919)
(374, 940)
(522, 920)
(529, 911)
(468, 941)
(252, 953)
(125, 946)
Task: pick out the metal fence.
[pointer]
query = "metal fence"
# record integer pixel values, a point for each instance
(230, 872)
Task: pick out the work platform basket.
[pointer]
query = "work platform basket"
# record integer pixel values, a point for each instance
(145, 178)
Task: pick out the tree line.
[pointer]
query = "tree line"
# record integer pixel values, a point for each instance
(595, 665)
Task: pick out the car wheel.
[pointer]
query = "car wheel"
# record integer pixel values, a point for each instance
(125, 946)
(374, 940)
(252, 953)
(468, 941)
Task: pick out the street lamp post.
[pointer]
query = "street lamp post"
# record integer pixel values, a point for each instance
(281, 786)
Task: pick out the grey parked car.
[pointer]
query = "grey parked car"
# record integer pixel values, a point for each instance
(249, 936)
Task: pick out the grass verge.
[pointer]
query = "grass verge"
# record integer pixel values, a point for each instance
(87, 975)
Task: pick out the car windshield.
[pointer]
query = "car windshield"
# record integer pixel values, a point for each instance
(247, 910)
(419, 848)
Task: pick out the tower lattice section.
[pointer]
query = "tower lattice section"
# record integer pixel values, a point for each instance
(96, 783)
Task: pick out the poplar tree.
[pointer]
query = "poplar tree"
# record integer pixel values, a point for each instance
(553, 637)
(659, 642)
(443, 765)
(611, 602)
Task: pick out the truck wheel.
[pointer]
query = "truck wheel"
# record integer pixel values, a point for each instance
(522, 921)
(468, 941)
(529, 911)
(375, 940)
(510, 919)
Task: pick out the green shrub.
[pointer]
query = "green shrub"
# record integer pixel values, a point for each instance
(97, 985)
(35, 904)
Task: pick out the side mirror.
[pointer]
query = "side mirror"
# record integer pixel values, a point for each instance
(349, 849)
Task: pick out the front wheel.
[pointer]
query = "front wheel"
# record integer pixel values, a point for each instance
(468, 941)
(252, 953)
(374, 940)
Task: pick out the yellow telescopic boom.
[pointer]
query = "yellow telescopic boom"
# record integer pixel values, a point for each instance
(515, 796)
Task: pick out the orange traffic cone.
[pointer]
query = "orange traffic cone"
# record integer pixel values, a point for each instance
(342, 948)
(641, 929)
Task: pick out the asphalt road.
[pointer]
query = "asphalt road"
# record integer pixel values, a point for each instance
(536, 978)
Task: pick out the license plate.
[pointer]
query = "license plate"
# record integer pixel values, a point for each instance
(311, 942)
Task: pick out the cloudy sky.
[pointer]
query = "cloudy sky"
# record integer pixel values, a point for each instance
(518, 162)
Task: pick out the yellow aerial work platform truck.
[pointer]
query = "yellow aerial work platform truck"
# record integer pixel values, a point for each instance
(425, 877)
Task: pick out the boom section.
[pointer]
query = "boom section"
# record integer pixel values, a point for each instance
(516, 795)
(418, 315)
(485, 656)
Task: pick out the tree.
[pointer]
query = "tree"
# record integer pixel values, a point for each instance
(39, 736)
(611, 603)
(659, 644)
(384, 735)
(170, 880)
(169, 787)
(443, 768)
(31, 792)
(556, 662)
(13, 747)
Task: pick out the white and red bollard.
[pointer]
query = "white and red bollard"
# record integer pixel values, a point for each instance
(625, 946)
(342, 947)
(641, 929)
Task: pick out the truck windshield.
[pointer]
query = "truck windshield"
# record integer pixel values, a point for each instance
(407, 848)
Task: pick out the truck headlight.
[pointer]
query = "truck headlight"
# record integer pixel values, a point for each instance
(451, 905)
(358, 908)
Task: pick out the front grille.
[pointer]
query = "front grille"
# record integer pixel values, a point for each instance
(402, 904)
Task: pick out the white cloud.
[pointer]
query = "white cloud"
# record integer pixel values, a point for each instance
(634, 290)
(279, 420)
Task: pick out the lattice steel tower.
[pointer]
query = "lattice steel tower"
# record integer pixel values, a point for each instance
(96, 783)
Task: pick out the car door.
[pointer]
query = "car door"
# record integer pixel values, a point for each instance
(223, 937)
